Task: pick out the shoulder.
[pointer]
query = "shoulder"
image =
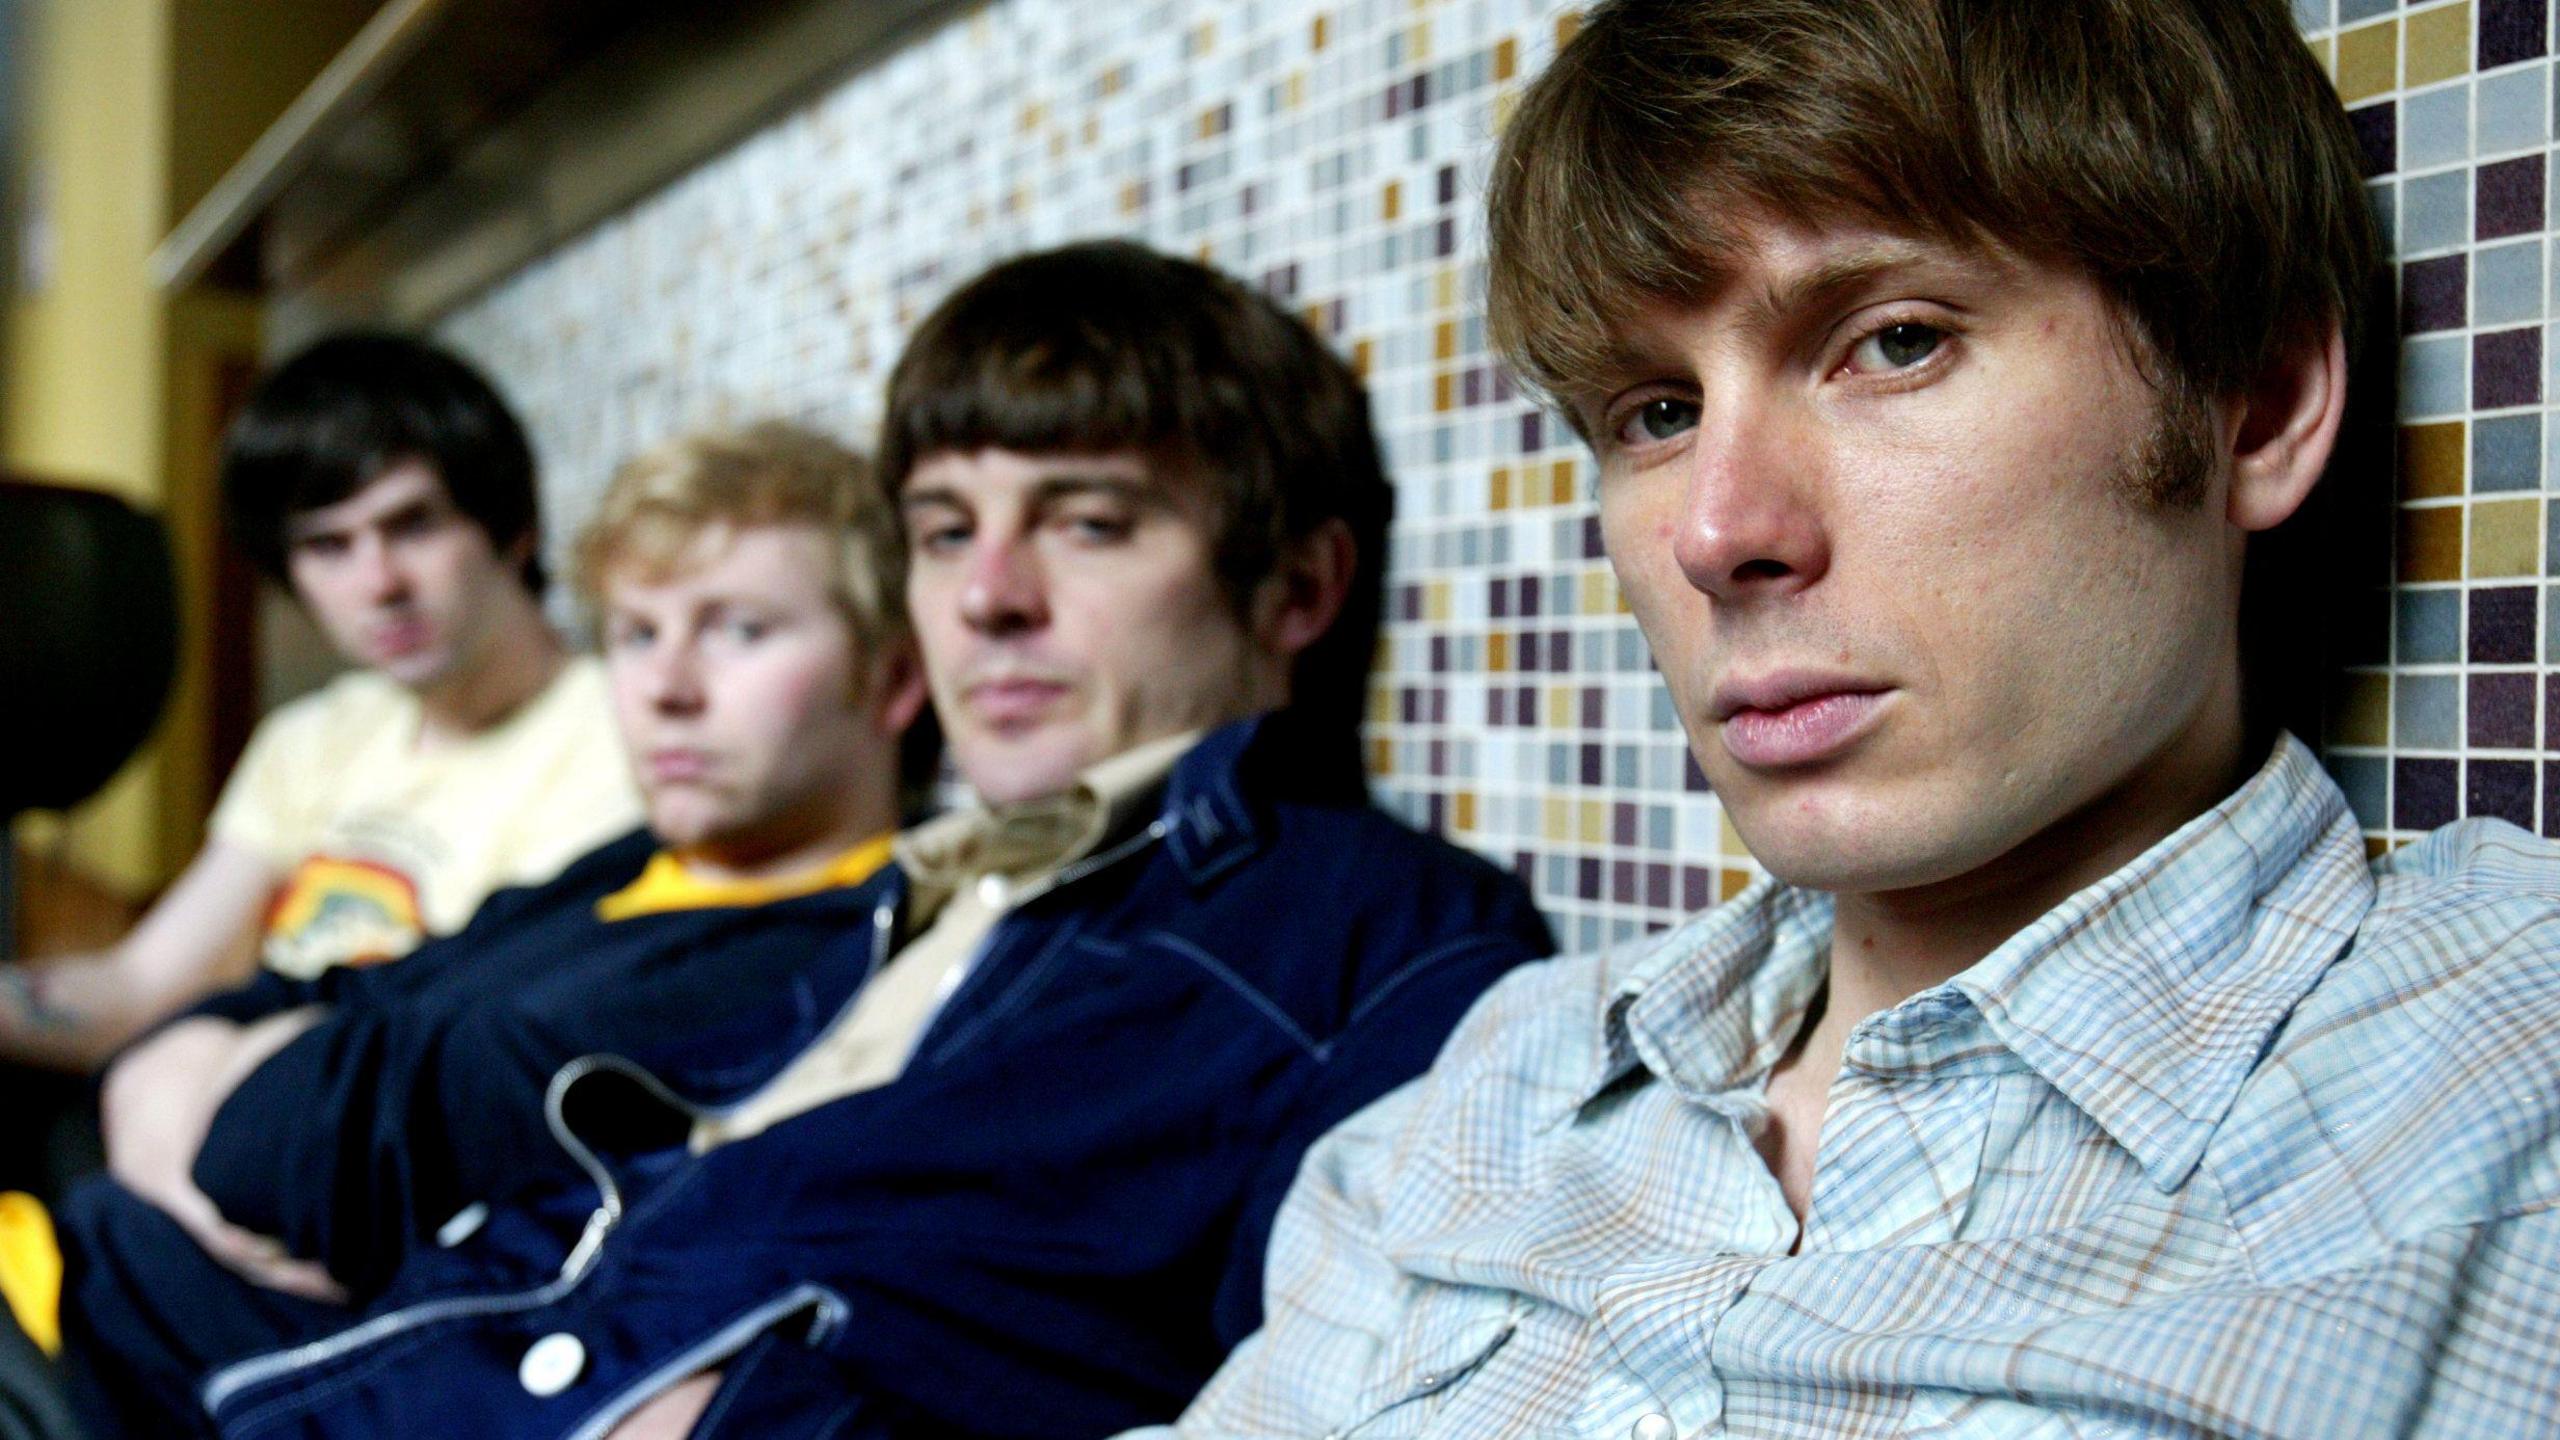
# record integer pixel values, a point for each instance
(2419, 1080)
(357, 704)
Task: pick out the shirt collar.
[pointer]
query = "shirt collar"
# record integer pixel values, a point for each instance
(2146, 999)
(665, 885)
(1026, 842)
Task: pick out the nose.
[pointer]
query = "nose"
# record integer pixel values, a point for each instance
(1004, 590)
(379, 570)
(1751, 523)
(674, 678)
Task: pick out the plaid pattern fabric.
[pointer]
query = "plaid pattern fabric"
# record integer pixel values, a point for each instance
(2247, 1139)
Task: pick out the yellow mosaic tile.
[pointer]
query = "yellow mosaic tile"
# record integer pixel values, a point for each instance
(1599, 593)
(1382, 757)
(2431, 543)
(1560, 706)
(2364, 711)
(1391, 207)
(1418, 44)
(2506, 538)
(1202, 39)
(1444, 338)
(1361, 353)
(1568, 25)
(1444, 288)
(1498, 488)
(1382, 705)
(1564, 482)
(2326, 47)
(1462, 808)
(1444, 391)
(1435, 601)
(2433, 459)
(1506, 58)
(1554, 822)
(1497, 653)
(2438, 45)
(1594, 829)
(2375, 847)
(1730, 883)
(2368, 61)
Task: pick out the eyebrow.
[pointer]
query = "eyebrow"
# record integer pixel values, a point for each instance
(1051, 487)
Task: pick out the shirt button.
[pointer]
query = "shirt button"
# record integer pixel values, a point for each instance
(1653, 1427)
(466, 1222)
(551, 1364)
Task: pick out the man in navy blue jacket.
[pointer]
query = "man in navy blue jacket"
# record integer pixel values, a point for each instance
(1021, 1183)
(762, 672)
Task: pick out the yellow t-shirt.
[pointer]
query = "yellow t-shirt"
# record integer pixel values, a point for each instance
(382, 844)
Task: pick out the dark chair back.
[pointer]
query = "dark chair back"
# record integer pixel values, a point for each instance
(88, 640)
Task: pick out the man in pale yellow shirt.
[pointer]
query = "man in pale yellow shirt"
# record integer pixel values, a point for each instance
(386, 484)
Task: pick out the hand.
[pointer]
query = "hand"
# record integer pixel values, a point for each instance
(156, 1106)
(671, 1413)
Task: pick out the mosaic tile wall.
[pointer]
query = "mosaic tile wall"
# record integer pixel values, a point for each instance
(2454, 104)
(1334, 153)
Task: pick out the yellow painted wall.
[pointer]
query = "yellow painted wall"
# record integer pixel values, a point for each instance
(131, 110)
(82, 388)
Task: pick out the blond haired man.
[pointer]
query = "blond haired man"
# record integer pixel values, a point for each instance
(747, 585)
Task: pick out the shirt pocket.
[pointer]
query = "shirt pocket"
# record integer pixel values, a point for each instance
(1451, 1334)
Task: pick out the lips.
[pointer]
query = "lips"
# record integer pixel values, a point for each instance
(678, 766)
(1795, 718)
(1014, 701)
(401, 637)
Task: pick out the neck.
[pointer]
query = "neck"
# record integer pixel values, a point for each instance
(1889, 946)
(803, 840)
(521, 656)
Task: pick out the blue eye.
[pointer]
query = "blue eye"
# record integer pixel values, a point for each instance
(1898, 347)
(1660, 419)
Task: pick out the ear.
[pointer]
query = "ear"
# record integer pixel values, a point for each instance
(1302, 596)
(2285, 428)
(896, 693)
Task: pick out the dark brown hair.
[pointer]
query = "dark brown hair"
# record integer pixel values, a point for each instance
(2188, 155)
(1109, 346)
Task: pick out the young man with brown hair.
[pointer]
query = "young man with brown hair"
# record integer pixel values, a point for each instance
(1954, 369)
(1020, 1184)
(386, 485)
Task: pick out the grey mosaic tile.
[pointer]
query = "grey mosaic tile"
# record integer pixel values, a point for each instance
(2506, 283)
(2435, 126)
(2350, 11)
(2515, 110)
(2426, 712)
(2506, 453)
(2430, 627)
(2435, 211)
(2435, 377)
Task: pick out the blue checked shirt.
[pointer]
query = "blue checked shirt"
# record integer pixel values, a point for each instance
(2246, 1139)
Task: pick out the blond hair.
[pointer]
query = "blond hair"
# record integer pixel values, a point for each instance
(768, 473)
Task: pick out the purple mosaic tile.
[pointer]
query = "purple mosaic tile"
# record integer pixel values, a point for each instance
(2551, 799)
(1560, 650)
(1526, 699)
(1622, 881)
(2377, 130)
(1697, 887)
(2423, 793)
(1439, 654)
(1594, 707)
(2508, 198)
(1623, 821)
(2502, 789)
(2502, 626)
(2512, 30)
(1533, 433)
(1657, 884)
(2502, 712)
(1529, 661)
(1528, 596)
(1587, 877)
(2506, 368)
(1592, 549)
(2435, 294)
(1591, 764)
(1448, 183)
(2551, 711)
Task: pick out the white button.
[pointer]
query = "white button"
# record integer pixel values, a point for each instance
(1653, 1427)
(466, 1222)
(992, 891)
(552, 1364)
